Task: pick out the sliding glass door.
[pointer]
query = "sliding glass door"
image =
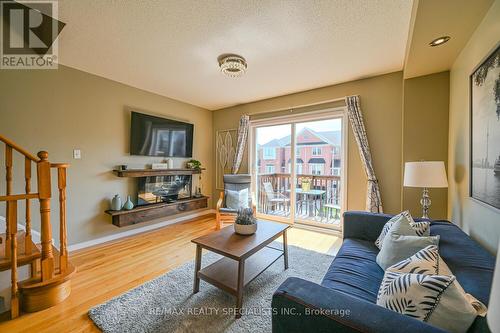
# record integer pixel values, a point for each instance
(272, 175)
(298, 168)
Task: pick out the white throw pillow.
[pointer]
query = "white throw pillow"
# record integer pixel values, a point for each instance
(237, 199)
(402, 242)
(423, 287)
(421, 228)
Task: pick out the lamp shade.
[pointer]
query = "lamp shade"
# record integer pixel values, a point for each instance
(425, 174)
(493, 316)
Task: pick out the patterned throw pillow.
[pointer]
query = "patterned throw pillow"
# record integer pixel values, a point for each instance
(414, 295)
(421, 228)
(423, 287)
(425, 261)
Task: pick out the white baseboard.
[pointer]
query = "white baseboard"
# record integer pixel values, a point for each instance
(127, 233)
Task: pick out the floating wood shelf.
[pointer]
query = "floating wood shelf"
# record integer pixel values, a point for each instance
(122, 218)
(155, 172)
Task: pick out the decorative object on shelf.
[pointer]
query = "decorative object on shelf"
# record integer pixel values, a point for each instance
(128, 204)
(122, 167)
(306, 184)
(170, 163)
(245, 223)
(485, 131)
(225, 154)
(116, 203)
(193, 164)
(430, 174)
(159, 166)
(197, 193)
(232, 65)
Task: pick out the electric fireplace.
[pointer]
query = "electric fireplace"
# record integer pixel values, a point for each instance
(155, 189)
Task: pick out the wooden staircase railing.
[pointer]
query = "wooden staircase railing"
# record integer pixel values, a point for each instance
(49, 283)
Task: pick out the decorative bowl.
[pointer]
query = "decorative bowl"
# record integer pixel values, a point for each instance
(245, 229)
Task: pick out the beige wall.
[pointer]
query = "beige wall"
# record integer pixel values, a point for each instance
(381, 102)
(425, 134)
(480, 221)
(60, 110)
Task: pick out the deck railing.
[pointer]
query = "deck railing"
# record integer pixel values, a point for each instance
(281, 184)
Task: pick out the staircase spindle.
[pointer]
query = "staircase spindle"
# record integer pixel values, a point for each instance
(27, 177)
(49, 287)
(44, 195)
(8, 178)
(12, 218)
(61, 183)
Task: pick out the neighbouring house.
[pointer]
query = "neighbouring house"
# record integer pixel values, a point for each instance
(316, 153)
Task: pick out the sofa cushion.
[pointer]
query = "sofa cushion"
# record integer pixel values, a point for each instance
(471, 264)
(354, 270)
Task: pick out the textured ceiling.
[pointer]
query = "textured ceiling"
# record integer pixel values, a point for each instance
(171, 47)
(455, 18)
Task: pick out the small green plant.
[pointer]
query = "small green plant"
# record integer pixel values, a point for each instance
(193, 164)
(245, 217)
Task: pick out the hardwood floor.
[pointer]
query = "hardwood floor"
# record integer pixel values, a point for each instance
(111, 269)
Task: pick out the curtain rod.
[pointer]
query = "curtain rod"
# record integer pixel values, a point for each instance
(299, 106)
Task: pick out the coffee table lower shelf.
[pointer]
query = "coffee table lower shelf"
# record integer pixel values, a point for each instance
(224, 272)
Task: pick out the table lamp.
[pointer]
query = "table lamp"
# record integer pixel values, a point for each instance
(428, 174)
(493, 316)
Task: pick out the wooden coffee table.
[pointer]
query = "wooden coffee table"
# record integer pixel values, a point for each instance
(245, 257)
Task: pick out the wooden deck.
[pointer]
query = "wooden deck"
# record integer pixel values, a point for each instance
(111, 269)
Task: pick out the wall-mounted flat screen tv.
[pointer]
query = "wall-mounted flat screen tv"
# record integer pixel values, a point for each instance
(155, 136)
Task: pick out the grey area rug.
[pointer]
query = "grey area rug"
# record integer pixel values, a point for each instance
(167, 304)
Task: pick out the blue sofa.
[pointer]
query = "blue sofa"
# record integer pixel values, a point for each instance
(345, 301)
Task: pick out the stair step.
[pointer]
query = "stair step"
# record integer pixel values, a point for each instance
(22, 258)
(36, 282)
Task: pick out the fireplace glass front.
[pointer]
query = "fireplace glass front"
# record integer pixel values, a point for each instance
(156, 189)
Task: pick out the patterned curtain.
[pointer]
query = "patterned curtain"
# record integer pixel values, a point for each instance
(373, 199)
(242, 141)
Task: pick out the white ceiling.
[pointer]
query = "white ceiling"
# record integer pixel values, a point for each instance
(171, 47)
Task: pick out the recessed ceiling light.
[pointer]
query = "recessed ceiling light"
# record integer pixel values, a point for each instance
(440, 41)
(232, 65)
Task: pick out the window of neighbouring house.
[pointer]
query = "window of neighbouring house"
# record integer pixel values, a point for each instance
(316, 168)
(297, 152)
(269, 153)
(316, 151)
(298, 166)
(270, 168)
(335, 171)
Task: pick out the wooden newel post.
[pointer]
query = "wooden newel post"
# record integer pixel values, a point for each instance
(44, 193)
(61, 183)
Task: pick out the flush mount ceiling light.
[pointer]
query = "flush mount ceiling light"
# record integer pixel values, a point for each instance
(440, 41)
(232, 65)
